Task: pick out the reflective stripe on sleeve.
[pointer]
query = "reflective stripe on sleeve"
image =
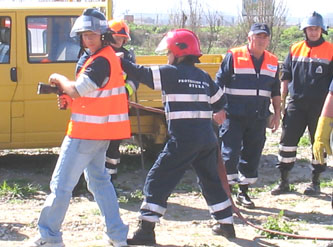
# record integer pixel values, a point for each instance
(216, 96)
(156, 77)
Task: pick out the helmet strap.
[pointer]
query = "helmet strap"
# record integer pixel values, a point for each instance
(82, 49)
(107, 38)
(175, 61)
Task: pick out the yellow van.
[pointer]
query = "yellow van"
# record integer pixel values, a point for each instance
(34, 43)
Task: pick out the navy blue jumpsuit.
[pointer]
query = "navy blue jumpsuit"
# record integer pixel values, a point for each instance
(190, 97)
(243, 133)
(310, 75)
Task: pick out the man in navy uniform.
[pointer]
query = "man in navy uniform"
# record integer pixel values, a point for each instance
(250, 78)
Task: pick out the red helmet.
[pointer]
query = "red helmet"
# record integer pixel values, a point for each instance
(120, 28)
(181, 42)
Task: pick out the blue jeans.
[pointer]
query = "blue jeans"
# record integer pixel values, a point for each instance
(79, 156)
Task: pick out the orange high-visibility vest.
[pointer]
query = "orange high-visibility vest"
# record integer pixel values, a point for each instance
(311, 70)
(322, 54)
(242, 63)
(103, 113)
(249, 93)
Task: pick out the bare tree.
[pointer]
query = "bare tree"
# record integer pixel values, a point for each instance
(271, 12)
(214, 20)
(195, 12)
(189, 15)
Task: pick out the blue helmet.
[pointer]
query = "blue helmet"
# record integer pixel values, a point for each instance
(91, 20)
(314, 20)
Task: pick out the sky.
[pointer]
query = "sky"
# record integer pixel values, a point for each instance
(296, 8)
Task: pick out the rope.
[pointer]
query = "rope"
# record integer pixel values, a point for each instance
(146, 108)
(223, 177)
(140, 133)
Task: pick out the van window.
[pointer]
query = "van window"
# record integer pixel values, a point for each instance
(48, 39)
(5, 30)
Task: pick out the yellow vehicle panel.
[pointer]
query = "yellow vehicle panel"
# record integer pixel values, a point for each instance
(27, 119)
(34, 43)
(147, 97)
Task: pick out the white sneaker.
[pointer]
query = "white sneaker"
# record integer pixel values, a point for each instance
(119, 244)
(115, 244)
(38, 241)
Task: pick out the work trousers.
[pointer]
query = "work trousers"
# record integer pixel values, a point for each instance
(243, 139)
(169, 168)
(113, 156)
(299, 115)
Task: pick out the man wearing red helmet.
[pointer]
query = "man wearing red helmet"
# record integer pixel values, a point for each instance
(249, 76)
(190, 99)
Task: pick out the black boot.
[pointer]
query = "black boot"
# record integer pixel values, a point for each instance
(225, 230)
(144, 235)
(283, 186)
(242, 198)
(314, 187)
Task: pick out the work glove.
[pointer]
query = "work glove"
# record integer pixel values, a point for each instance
(322, 139)
(129, 89)
(64, 101)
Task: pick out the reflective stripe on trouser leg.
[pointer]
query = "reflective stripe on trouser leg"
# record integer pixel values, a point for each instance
(112, 157)
(151, 212)
(163, 177)
(253, 142)
(206, 166)
(287, 156)
(293, 127)
(231, 135)
(169, 168)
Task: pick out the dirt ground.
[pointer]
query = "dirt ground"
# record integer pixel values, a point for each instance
(187, 221)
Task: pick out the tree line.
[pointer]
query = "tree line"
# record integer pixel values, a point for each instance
(216, 37)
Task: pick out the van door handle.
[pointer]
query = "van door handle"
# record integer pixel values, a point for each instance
(13, 74)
